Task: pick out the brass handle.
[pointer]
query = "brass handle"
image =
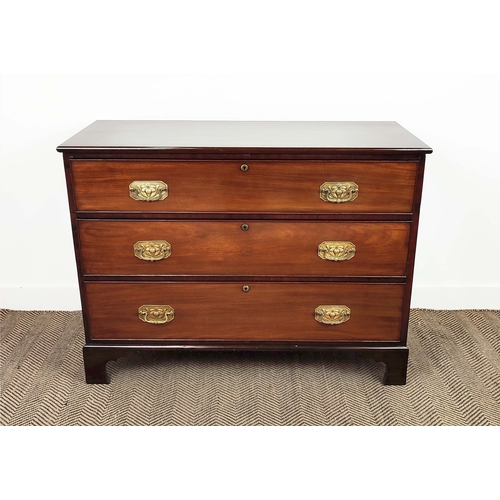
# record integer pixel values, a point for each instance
(338, 192)
(336, 250)
(148, 190)
(332, 315)
(156, 315)
(152, 250)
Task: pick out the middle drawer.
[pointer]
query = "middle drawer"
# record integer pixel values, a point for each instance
(243, 248)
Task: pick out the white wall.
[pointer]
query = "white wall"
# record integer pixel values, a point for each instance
(270, 74)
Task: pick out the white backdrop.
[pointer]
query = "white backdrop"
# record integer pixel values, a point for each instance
(431, 65)
(457, 262)
(362, 61)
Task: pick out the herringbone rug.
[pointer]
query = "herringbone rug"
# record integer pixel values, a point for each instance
(453, 379)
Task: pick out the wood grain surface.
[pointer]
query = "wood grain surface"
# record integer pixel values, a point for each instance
(195, 136)
(223, 311)
(223, 248)
(221, 186)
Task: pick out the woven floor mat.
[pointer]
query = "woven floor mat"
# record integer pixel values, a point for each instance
(453, 379)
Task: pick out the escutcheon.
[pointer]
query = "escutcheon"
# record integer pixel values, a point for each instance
(148, 190)
(338, 192)
(336, 250)
(152, 250)
(332, 315)
(156, 314)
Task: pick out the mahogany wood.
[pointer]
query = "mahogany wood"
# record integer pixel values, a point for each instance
(277, 196)
(269, 277)
(97, 356)
(266, 154)
(245, 136)
(76, 242)
(223, 311)
(220, 187)
(412, 245)
(222, 248)
(368, 216)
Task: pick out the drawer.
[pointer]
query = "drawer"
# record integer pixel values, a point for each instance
(224, 248)
(224, 311)
(265, 187)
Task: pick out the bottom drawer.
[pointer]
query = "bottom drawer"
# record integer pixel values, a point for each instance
(225, 311)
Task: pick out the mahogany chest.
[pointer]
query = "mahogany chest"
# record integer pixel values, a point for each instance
(245, 236)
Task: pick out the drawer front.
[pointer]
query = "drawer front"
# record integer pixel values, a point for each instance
(263, 248)
(224, 311)
(265, 187)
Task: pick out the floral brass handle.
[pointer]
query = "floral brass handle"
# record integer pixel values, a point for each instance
(152, 250)
(148, 190)
(156, 314)
(338, 192)
(332, 315)
(336, 250)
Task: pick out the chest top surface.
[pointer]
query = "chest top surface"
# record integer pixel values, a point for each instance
(158, 135)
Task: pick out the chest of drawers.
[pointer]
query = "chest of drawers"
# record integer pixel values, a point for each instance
(245, 236)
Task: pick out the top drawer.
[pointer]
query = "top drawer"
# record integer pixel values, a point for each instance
(244, 187)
